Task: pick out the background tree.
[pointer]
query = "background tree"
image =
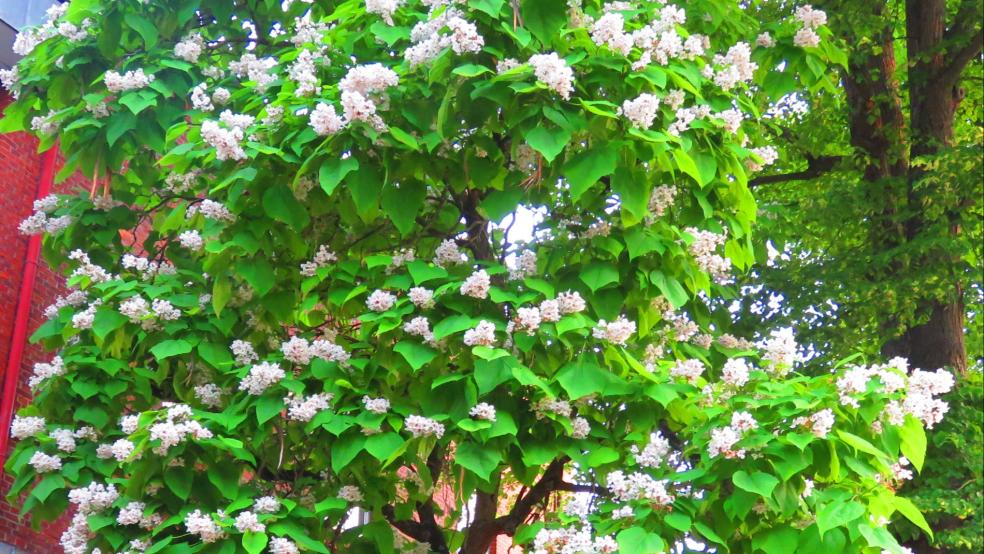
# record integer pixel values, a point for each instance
(296, 289)
(876, 214)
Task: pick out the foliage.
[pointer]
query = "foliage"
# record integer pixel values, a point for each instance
(951, 490)
(316, 240)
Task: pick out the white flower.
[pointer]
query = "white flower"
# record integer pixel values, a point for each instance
(325, 121)
(806, 38)
(266, 505)
(376, 405)
(765, 40)
(247, 521)
(190, 48)
(691, 370)
(722, 443)
(422, 298)
(280, 545)
(300, 408)
(482, 335)
(243, 352)
(616, 332)
(420, 426)
(384, 8)
(809, 17)
(580, 428)
(641, 111)
(735, 372)
(477, 285)
(780, 351)
(570, 302)
(130, 80)
(528, 319)
(550, 310)
(204, 526)
(554, 72)
(122, 449)
(297, 350)
(638, 486)
(192, 240)
(43, 463)
(448, 253)
(380, 301)
(261, 377)
(655, 452)
(484, 411)
(209, 394)
(350, 493)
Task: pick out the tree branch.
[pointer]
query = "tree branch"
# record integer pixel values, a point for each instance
(550, 481)
(816, 166)
(956, 63)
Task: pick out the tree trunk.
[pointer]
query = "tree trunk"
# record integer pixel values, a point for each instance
(934, 96)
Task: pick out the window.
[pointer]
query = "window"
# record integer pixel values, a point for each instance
(21, 13)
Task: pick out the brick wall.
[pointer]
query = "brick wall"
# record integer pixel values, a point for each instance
(20, 169)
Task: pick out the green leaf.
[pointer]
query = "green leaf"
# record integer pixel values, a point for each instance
(861, 444)
(491, 373)
(146, 29)
(331, 173)
(471, 70)
(49, 484)
(500, 203)
(138, 102)
(168, 348)
(403, 203)
(267, 407)
(119, 123)
(584, 378)
(404, 137)
(216, 355)
(585, 169)
(179, 481)
(708, 533)
(254, 543)
(383, 445)
(491, 7)
(913, 444)
(480, 460)
(598, 275)
(451, 325)
(758, 482)
(670, 287)
(836, 514)
(421, 272)
(777, 541)
(706, 167)
(416, 354)
(107, 321)
(544, 18)
(299, 535)
(912, 513)
(344, 450)
(280, 204)
(636, 540)
(549, 142)
(365, 187)
(258, 273)
(633, 195)
(687, 165)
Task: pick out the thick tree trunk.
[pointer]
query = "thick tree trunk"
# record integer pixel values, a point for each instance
(934, 96)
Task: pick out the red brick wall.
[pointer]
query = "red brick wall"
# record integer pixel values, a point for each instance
(20, 169)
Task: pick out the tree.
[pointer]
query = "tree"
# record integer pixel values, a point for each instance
(884, 243)
(280, 311)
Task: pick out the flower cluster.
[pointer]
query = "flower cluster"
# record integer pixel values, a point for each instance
(553, 71)
(420, 426)
(703, 250)
(304, 408)
(571, 540)
(175, 428)
(810, 19)
(638, 486)
(429, 38)
(131, 80)
(261, 377)
(615, 332)
(642, 110)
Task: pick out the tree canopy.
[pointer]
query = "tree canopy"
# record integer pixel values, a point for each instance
(295, 287)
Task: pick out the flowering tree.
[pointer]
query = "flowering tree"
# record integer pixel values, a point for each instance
(296, 287)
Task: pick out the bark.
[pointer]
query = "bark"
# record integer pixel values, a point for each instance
(934, 96)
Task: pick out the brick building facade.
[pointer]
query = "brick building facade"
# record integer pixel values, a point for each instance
(20, 175)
